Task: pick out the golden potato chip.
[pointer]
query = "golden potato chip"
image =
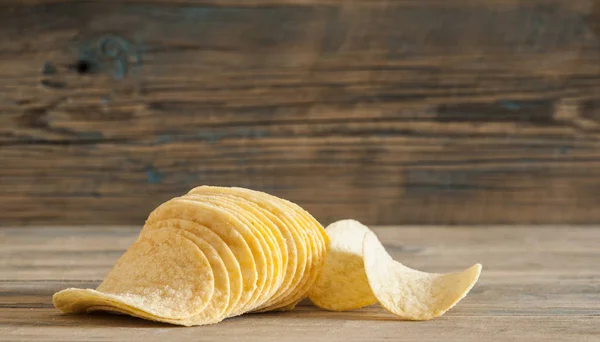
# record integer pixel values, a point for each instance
(342, 283)
(225, 253)
(236, 235)
(215, 311)
(409, 293)
(265, 238)
(162, 274)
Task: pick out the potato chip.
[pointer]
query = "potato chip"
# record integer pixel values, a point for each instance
(412, 294)
(342, 284)
(228, 258)
(215, 311)
(163, 274)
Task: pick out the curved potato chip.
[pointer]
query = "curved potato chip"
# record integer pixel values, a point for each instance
(215, 311)
(412, 294)
(162, 276)
(225, 253)
(342, 284)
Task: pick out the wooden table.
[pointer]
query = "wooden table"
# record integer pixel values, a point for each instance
(538, 284)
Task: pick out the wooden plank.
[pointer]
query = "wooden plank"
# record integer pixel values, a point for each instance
(538, 284)
(427, 112)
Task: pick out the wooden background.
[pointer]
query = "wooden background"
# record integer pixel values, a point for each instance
(390, 112)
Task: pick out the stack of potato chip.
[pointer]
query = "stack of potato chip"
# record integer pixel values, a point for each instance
(208, 255)
(220, 252)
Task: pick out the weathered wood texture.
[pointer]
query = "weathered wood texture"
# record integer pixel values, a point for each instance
(429, 112)
(538, 284)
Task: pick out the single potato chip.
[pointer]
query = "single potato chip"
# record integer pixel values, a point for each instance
(163, 276)
(215, 311)
(412, 294)
(342, 284)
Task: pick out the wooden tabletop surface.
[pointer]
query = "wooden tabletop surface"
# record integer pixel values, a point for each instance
(538, 284)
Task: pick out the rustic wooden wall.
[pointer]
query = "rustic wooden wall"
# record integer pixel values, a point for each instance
(421, 112)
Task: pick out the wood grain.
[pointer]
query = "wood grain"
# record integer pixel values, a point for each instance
(415, 112)
(538, 284)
